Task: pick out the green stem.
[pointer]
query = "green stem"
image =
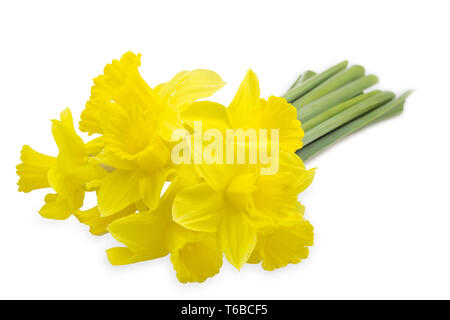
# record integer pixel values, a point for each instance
(381, 112)
(395, 111)
(302, 78)
(299, 78)
(335, 97)
(307, 75)
(338, 80)
(321, 117)
(347, 115)
(313, 82)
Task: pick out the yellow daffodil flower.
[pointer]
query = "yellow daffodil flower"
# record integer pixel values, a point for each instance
(67, 173)
(150, 235)
(249, 111)
(137, 123)
(243, 207)
(234, 200)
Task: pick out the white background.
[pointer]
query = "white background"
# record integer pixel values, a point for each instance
(380, 200)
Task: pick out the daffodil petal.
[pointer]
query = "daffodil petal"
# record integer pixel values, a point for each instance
(237, 237)
(212, 115)
(186, 175)
(290, 162)
(56, 207)
(70, 145)
(243, 183)
(197, 261)
(98, 224)
(293, 165)
(120, 256)
(95, 146)
(93, 185)
(142, 233)
(166, 89)
(216, 175)
(150, 187)
(194, 85)
(108, 159)
(256, 256)
(118, 190)
(168, 121)
(89, 172)
(276, 195)
(67, 184)
(198, 207)
(242, 109)
(239, 191)
(177, 236)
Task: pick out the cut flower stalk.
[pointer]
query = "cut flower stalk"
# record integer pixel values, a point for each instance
(313, 82)
(337, 105)
(346, 116)
(336, 109)
(302, 78)
(335, 82)
(389, 109)
(335, 97)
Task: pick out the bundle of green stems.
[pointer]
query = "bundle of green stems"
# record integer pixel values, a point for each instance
(333, 104)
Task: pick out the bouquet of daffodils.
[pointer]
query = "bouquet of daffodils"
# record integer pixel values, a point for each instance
(196, 179)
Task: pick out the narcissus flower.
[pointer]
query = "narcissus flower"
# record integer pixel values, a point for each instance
(137, 123)
(67, 173)
(249, 111)
(235, 201)
(149, 235)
